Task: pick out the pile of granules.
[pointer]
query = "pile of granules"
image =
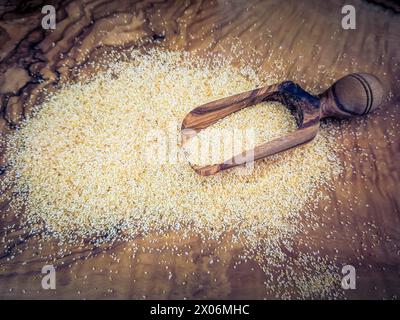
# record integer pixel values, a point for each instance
(86, 163)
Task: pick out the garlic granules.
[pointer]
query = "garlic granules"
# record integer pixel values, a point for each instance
(86, 164)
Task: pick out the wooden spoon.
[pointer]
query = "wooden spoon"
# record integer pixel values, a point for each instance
(353, 95)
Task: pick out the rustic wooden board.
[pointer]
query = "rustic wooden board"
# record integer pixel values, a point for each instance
(300, 40)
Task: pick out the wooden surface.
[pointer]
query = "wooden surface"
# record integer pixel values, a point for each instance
(298, 40)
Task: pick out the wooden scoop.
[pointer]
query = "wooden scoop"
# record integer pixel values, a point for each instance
(353, 95)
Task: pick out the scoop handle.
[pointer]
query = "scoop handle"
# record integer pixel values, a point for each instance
(353, 95)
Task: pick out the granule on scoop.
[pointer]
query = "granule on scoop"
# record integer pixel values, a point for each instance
(235, 134)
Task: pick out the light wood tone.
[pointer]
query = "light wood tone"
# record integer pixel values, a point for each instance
(307, 37)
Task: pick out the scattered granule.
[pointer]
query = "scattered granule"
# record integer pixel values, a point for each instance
(101, 159)
(307, 277)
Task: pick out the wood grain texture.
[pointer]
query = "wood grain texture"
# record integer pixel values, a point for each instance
(300, 40)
